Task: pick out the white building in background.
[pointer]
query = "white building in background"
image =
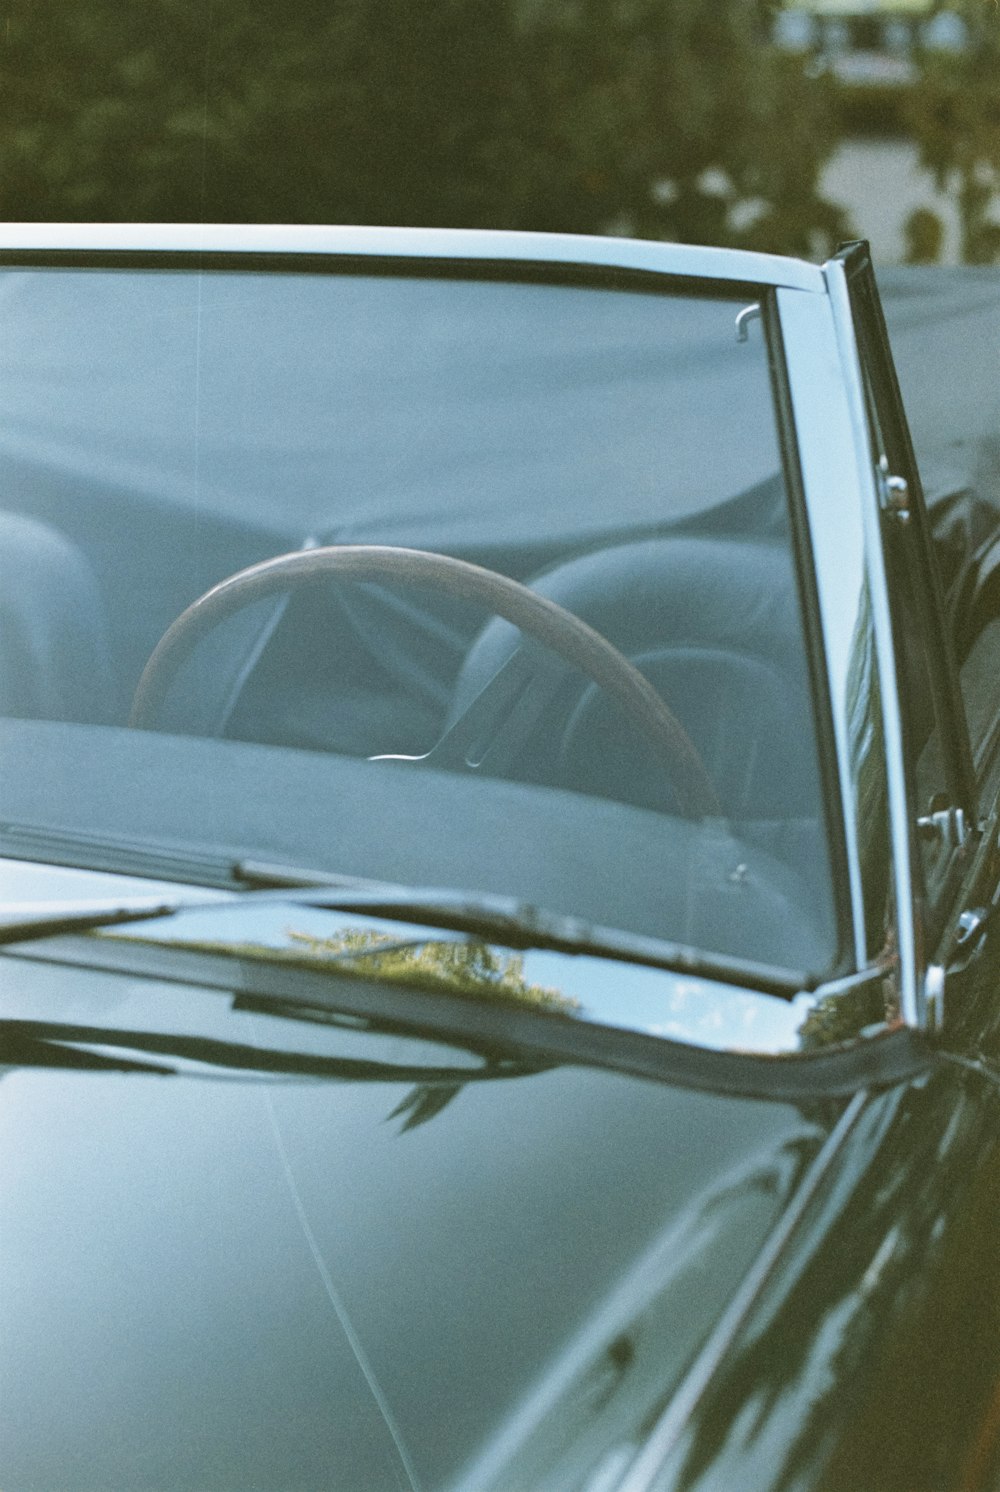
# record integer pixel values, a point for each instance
(878, 44)
(868, 42)
(881, 183)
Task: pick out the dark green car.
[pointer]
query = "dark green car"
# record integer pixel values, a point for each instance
(498, 816)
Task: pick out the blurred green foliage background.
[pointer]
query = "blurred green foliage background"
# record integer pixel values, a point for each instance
(665, 118)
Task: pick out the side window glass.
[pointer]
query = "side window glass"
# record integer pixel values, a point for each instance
(935, 792)
(931, 729)
(979, 672)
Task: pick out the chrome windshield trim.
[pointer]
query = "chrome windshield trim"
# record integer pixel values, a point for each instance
(912, 1003)
(823, 431)
(310, 969)
(420, 243)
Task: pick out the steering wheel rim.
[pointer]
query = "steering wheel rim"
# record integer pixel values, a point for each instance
(537, 616)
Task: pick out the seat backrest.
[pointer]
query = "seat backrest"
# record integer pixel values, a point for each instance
(54, 656)
(713, 623)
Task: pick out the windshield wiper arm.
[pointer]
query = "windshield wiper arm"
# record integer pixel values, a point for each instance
(515, 923)
(21, 922)
(30, 921)
(522, 925)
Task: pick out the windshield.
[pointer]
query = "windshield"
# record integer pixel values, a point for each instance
(395, 703)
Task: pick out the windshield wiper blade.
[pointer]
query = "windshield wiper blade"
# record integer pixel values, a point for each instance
(521, 923)
(22, 922)
(507, 920)
(30, 921)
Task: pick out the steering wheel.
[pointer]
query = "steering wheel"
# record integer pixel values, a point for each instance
(535, 615)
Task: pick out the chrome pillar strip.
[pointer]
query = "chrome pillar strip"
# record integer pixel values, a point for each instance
(833, 509)
(910, 977)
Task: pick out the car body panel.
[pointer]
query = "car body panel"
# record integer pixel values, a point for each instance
(293, 1244)
(859, 1388)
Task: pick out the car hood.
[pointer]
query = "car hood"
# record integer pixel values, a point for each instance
(225, 1279)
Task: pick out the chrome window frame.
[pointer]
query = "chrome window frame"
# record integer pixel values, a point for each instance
(822, 429)
(452, 244)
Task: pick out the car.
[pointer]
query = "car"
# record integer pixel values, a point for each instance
(499, 827)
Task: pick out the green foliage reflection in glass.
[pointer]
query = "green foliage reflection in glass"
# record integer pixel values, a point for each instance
(470, 968)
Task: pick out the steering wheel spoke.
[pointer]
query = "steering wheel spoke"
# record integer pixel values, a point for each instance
(495, 725)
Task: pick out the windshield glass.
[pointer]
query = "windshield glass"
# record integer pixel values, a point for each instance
(396, 716)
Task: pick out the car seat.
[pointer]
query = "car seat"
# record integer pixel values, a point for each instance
(713, 624)
(54, 657)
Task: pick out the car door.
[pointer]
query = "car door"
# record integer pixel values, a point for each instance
(952, 829)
